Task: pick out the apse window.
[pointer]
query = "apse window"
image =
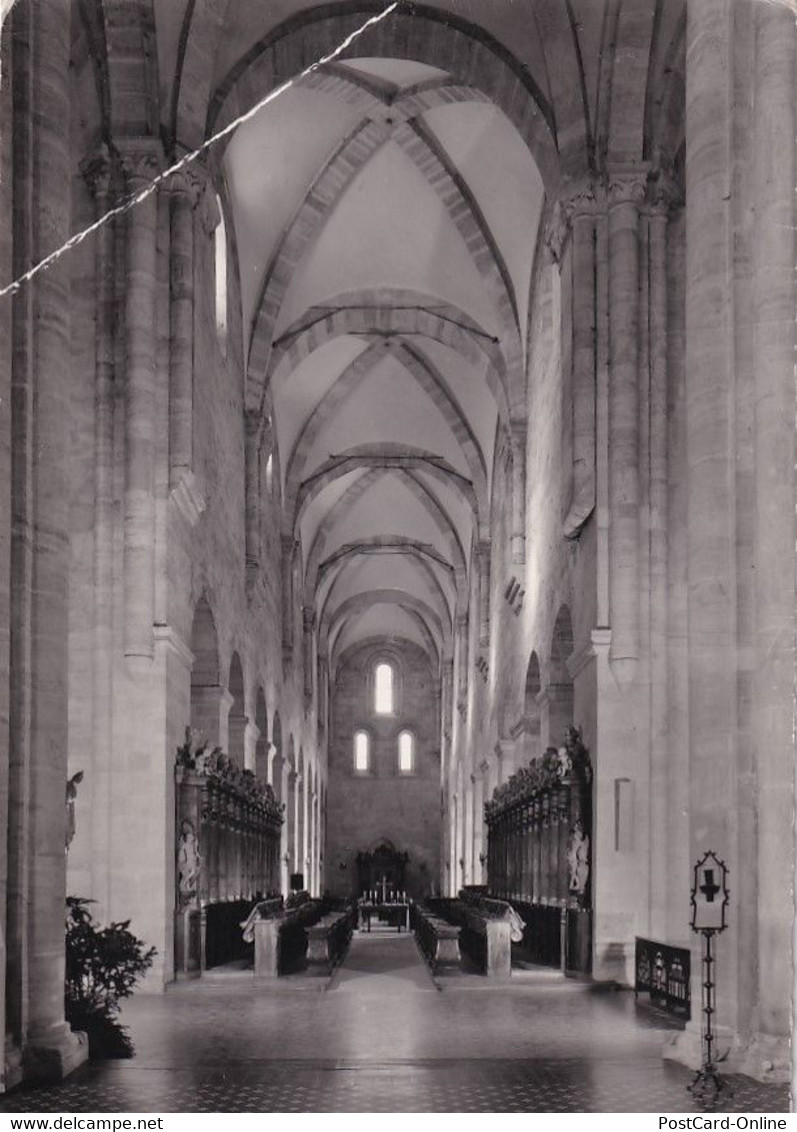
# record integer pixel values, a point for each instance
(361, 752)
(406, 752)
(220, 249)
(383, 689)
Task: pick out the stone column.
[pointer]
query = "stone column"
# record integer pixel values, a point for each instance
(252, 438)
(479, 831)
(236, 737)
(308, 629)
(184, 189)
(312, 880)
(98, 172)
(251, 739)
(582, 503)
(140, 163)
(483, 567)
(41, 379)
(289, 827)
(7, 248)
(659, 721)
(518, 430)
(210, 710)
(446, 714)
(710, 440)
(322, 707)
(302, 824)
(297, 849)
(773, 312)
(462, 656)
(626, 189)
(288, 548)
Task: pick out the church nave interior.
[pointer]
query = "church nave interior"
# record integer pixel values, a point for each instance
(398, 507)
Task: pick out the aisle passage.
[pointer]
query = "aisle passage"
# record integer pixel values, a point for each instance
(382, 963)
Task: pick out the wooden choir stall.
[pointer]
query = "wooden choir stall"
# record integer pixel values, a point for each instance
(228, 830)
(539, 826)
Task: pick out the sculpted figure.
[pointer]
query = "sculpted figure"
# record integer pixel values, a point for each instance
(578, 860)
(71, 795)
(188, 862)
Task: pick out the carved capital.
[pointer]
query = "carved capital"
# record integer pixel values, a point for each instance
(97, 169)
(188, 184)
(580, 198)
(665, 194)
(627, 184)
(141, 160)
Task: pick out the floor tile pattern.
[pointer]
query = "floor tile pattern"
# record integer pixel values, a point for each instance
(385, 1038)
(481, 1086)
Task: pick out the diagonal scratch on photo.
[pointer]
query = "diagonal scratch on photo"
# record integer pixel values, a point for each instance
(397, 556)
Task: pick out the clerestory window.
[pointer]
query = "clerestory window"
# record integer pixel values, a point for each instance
(383, 689)
(406, 752)
(362, 751)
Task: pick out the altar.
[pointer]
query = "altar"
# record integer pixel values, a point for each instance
(397, 914)
(386, 902)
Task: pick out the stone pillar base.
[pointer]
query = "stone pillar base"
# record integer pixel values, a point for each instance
(762, 1057)
(767, 1058)
(51, 1056)
(613, 962)
(12, 1074)
(685, 1047)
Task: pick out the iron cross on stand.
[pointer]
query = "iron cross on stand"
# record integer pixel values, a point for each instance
(709, 901)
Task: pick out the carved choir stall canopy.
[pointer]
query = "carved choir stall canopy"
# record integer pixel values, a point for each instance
(228, 826)
(539, 825)
(383, 866)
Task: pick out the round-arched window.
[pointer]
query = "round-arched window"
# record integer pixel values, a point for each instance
(362, 751)
(384, 689)
(406, 752)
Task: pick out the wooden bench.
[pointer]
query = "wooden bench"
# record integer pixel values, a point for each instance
(484, 937)
(437, 938)
(328, 939)
(280, 936)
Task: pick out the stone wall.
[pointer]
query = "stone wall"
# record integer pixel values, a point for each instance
(363, 810)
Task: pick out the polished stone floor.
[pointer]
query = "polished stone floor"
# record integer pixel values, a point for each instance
(383, 1036)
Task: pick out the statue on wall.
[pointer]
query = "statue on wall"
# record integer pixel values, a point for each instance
(71, 795)
(188, 862)
(576, 755)
(578, 860)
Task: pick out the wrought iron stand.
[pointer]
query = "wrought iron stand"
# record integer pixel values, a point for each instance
(709, 901)
(708, 1084)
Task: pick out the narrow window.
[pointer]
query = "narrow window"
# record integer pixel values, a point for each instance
(383, 689)
(406, 752)
(270, 473)
(220, 247)
(361, 752)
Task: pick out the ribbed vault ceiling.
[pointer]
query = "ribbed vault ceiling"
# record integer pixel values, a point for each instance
(386, 221)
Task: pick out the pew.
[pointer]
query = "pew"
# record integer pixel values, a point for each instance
(437, 938)
(303, 929)
(328, 939)
(486, 932)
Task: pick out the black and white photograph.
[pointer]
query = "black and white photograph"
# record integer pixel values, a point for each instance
(397, 558)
